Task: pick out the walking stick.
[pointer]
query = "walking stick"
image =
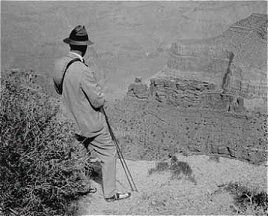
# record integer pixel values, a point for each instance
(120, 155)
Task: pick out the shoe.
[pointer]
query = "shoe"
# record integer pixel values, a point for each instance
(118, 196)
(92, 190)
(94, 160)
(87, 191)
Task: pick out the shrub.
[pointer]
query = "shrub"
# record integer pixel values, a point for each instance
(160, 166)
(180, 168)
(215, 158)
(249, 201)
(42, 171)
(176, 167)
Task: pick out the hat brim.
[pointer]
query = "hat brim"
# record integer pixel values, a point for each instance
(78, 43)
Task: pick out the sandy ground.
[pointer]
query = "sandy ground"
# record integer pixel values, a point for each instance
(159, 194)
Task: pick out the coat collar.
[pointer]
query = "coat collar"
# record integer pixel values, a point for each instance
(75, 55)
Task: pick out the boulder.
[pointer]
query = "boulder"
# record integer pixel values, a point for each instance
(138, 89)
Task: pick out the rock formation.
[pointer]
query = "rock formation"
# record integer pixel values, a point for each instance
(194, 94)
(138, 89)
(202, 101)
(235, 61)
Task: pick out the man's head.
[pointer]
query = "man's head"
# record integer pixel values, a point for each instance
(81, 49)
(78, 39)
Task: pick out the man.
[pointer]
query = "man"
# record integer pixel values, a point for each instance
(84, 99)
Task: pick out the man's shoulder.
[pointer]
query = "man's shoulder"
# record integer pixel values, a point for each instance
(61, 62)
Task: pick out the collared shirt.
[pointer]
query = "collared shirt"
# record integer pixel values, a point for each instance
(79, 56)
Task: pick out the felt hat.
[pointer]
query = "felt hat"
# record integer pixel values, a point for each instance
(78, 37)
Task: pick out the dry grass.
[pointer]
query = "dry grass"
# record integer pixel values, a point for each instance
(42, 170)
(161, 195)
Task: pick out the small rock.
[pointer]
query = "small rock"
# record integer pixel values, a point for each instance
(138, 80)
(153, 202)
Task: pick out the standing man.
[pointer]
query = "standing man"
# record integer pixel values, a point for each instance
(84, 99)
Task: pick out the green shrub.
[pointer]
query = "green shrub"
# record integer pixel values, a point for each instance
(42, 170)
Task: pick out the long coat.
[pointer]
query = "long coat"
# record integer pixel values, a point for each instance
(82, 95)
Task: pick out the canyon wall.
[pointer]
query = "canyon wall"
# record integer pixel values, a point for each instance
(188, 116)
(208, 99)
(236, 61)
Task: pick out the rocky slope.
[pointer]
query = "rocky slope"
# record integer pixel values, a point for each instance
(204, 101)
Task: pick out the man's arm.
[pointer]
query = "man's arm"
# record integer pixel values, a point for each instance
(92, 89)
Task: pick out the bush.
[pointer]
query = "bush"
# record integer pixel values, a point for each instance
(248, 201)
(160, 166)
(180, 168)
(177, 168)
(42, 171)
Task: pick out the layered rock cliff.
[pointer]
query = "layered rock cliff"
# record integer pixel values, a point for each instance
(204, 101)
(235, 61)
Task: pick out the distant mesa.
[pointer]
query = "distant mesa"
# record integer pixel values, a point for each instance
(200, 62)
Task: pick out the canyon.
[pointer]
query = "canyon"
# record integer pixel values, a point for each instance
(210, 98)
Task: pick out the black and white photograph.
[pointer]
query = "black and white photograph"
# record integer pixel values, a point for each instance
(133, 108)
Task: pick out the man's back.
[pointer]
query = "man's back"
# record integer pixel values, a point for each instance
(82, 95)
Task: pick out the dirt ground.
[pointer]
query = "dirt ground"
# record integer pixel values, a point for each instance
(160, 195)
